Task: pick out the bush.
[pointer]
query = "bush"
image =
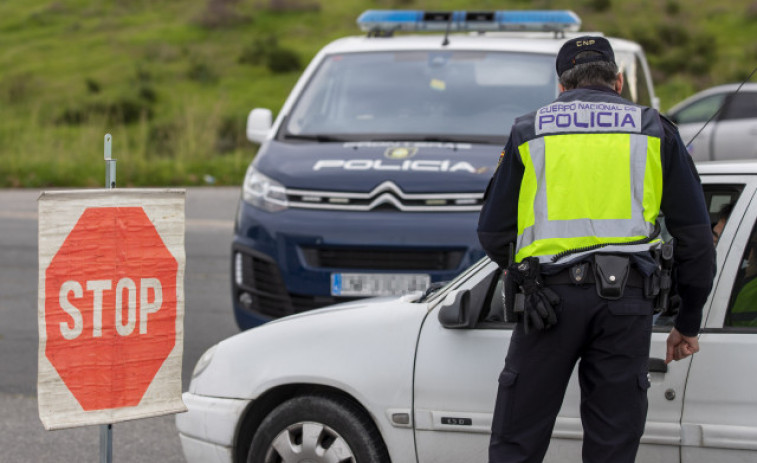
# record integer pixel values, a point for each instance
(647, 38)
(266, 51)
(230, 134)
(294, 5)
(672, 35)
(127, 110)
(148, 94)
(18, 88)
(672, 7)
(282, 60)
(219, 14)
(702, 54)
(162, 140)
(202, 73)
(599, 5)
(93, 86)
(751, 11)
(124, 110)
(257, 52)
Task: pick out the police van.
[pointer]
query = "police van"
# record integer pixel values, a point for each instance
(370, 179)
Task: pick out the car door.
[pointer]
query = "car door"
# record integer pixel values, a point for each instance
(691, 119)
(456, 382)
(456, 371)
(735, 134)
(719, 422)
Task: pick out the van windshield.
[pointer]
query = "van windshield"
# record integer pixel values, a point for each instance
(455, 96)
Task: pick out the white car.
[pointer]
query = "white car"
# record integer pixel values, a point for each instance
(414, 378)
(731, 134)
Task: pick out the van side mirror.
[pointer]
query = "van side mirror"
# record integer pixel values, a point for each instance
(456, 314)
(259, 124)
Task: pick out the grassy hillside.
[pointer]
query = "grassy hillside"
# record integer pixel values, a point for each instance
(174, 80)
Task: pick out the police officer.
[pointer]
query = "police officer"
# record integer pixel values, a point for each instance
(578, 190)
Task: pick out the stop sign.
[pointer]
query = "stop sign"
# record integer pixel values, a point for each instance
(110, 307)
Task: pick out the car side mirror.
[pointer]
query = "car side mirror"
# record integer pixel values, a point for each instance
(259, 124)
(457, 314)
(462, 308)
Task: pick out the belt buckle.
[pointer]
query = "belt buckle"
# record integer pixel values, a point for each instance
(579, 273)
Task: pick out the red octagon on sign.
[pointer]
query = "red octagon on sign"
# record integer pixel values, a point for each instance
(110, 307)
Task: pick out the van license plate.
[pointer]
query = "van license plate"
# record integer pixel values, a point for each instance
(377, 284)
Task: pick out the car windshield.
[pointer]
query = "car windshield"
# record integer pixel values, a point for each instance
(455, 96)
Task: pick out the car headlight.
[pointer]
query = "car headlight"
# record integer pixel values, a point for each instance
(263, 192)
(204, 361)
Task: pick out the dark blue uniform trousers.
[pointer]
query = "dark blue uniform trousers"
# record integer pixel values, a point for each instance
(610, 340)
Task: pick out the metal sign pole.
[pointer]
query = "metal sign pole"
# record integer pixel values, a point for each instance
(110, 164)
(106, 430)
(106, 443)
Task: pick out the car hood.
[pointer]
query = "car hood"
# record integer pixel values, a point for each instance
(330, 347)
(415, 167)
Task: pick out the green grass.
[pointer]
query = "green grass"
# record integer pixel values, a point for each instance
(165, 79)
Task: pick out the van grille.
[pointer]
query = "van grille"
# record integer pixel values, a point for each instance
(387, 196)
(382, 259)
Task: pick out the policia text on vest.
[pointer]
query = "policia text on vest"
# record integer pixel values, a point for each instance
(599, 117)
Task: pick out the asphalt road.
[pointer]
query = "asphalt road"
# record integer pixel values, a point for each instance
(208, 319)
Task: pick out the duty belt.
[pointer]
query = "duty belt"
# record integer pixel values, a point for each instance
(582, 273)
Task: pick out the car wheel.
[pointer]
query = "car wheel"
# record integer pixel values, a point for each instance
(317, 429)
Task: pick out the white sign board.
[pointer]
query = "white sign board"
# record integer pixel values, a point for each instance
(110, 305)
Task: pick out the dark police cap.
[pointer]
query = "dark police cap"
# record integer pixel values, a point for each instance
(599, 46)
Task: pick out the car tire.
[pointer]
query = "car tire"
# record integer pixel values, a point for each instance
(337, 430)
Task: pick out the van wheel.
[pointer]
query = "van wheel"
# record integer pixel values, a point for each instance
(317, 429)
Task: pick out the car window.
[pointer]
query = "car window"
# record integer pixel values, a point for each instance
(635, 87)
(423, 95)
(495, 304)
(742, 105)
(742, 306)
(719, 199)
(700, 110)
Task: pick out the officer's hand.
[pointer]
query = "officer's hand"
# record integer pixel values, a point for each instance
(680, 346)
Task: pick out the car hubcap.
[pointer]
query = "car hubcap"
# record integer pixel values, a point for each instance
(309, 442)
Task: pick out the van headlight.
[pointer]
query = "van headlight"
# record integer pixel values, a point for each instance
(263, 192)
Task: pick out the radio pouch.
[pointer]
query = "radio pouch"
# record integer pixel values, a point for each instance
(611, 274)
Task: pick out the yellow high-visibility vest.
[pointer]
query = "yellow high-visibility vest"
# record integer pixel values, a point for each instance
(593, 175)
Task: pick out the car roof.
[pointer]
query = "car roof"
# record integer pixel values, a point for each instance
(744, 167)
(748, 86)
(529, 42)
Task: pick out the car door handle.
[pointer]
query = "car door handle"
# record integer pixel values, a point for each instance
(657, 365)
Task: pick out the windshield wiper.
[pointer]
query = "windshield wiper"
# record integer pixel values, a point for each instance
(441, 139)
(318, 138)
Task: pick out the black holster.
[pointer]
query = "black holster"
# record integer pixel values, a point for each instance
(528, 297)
(513, 298)
(665, 275)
